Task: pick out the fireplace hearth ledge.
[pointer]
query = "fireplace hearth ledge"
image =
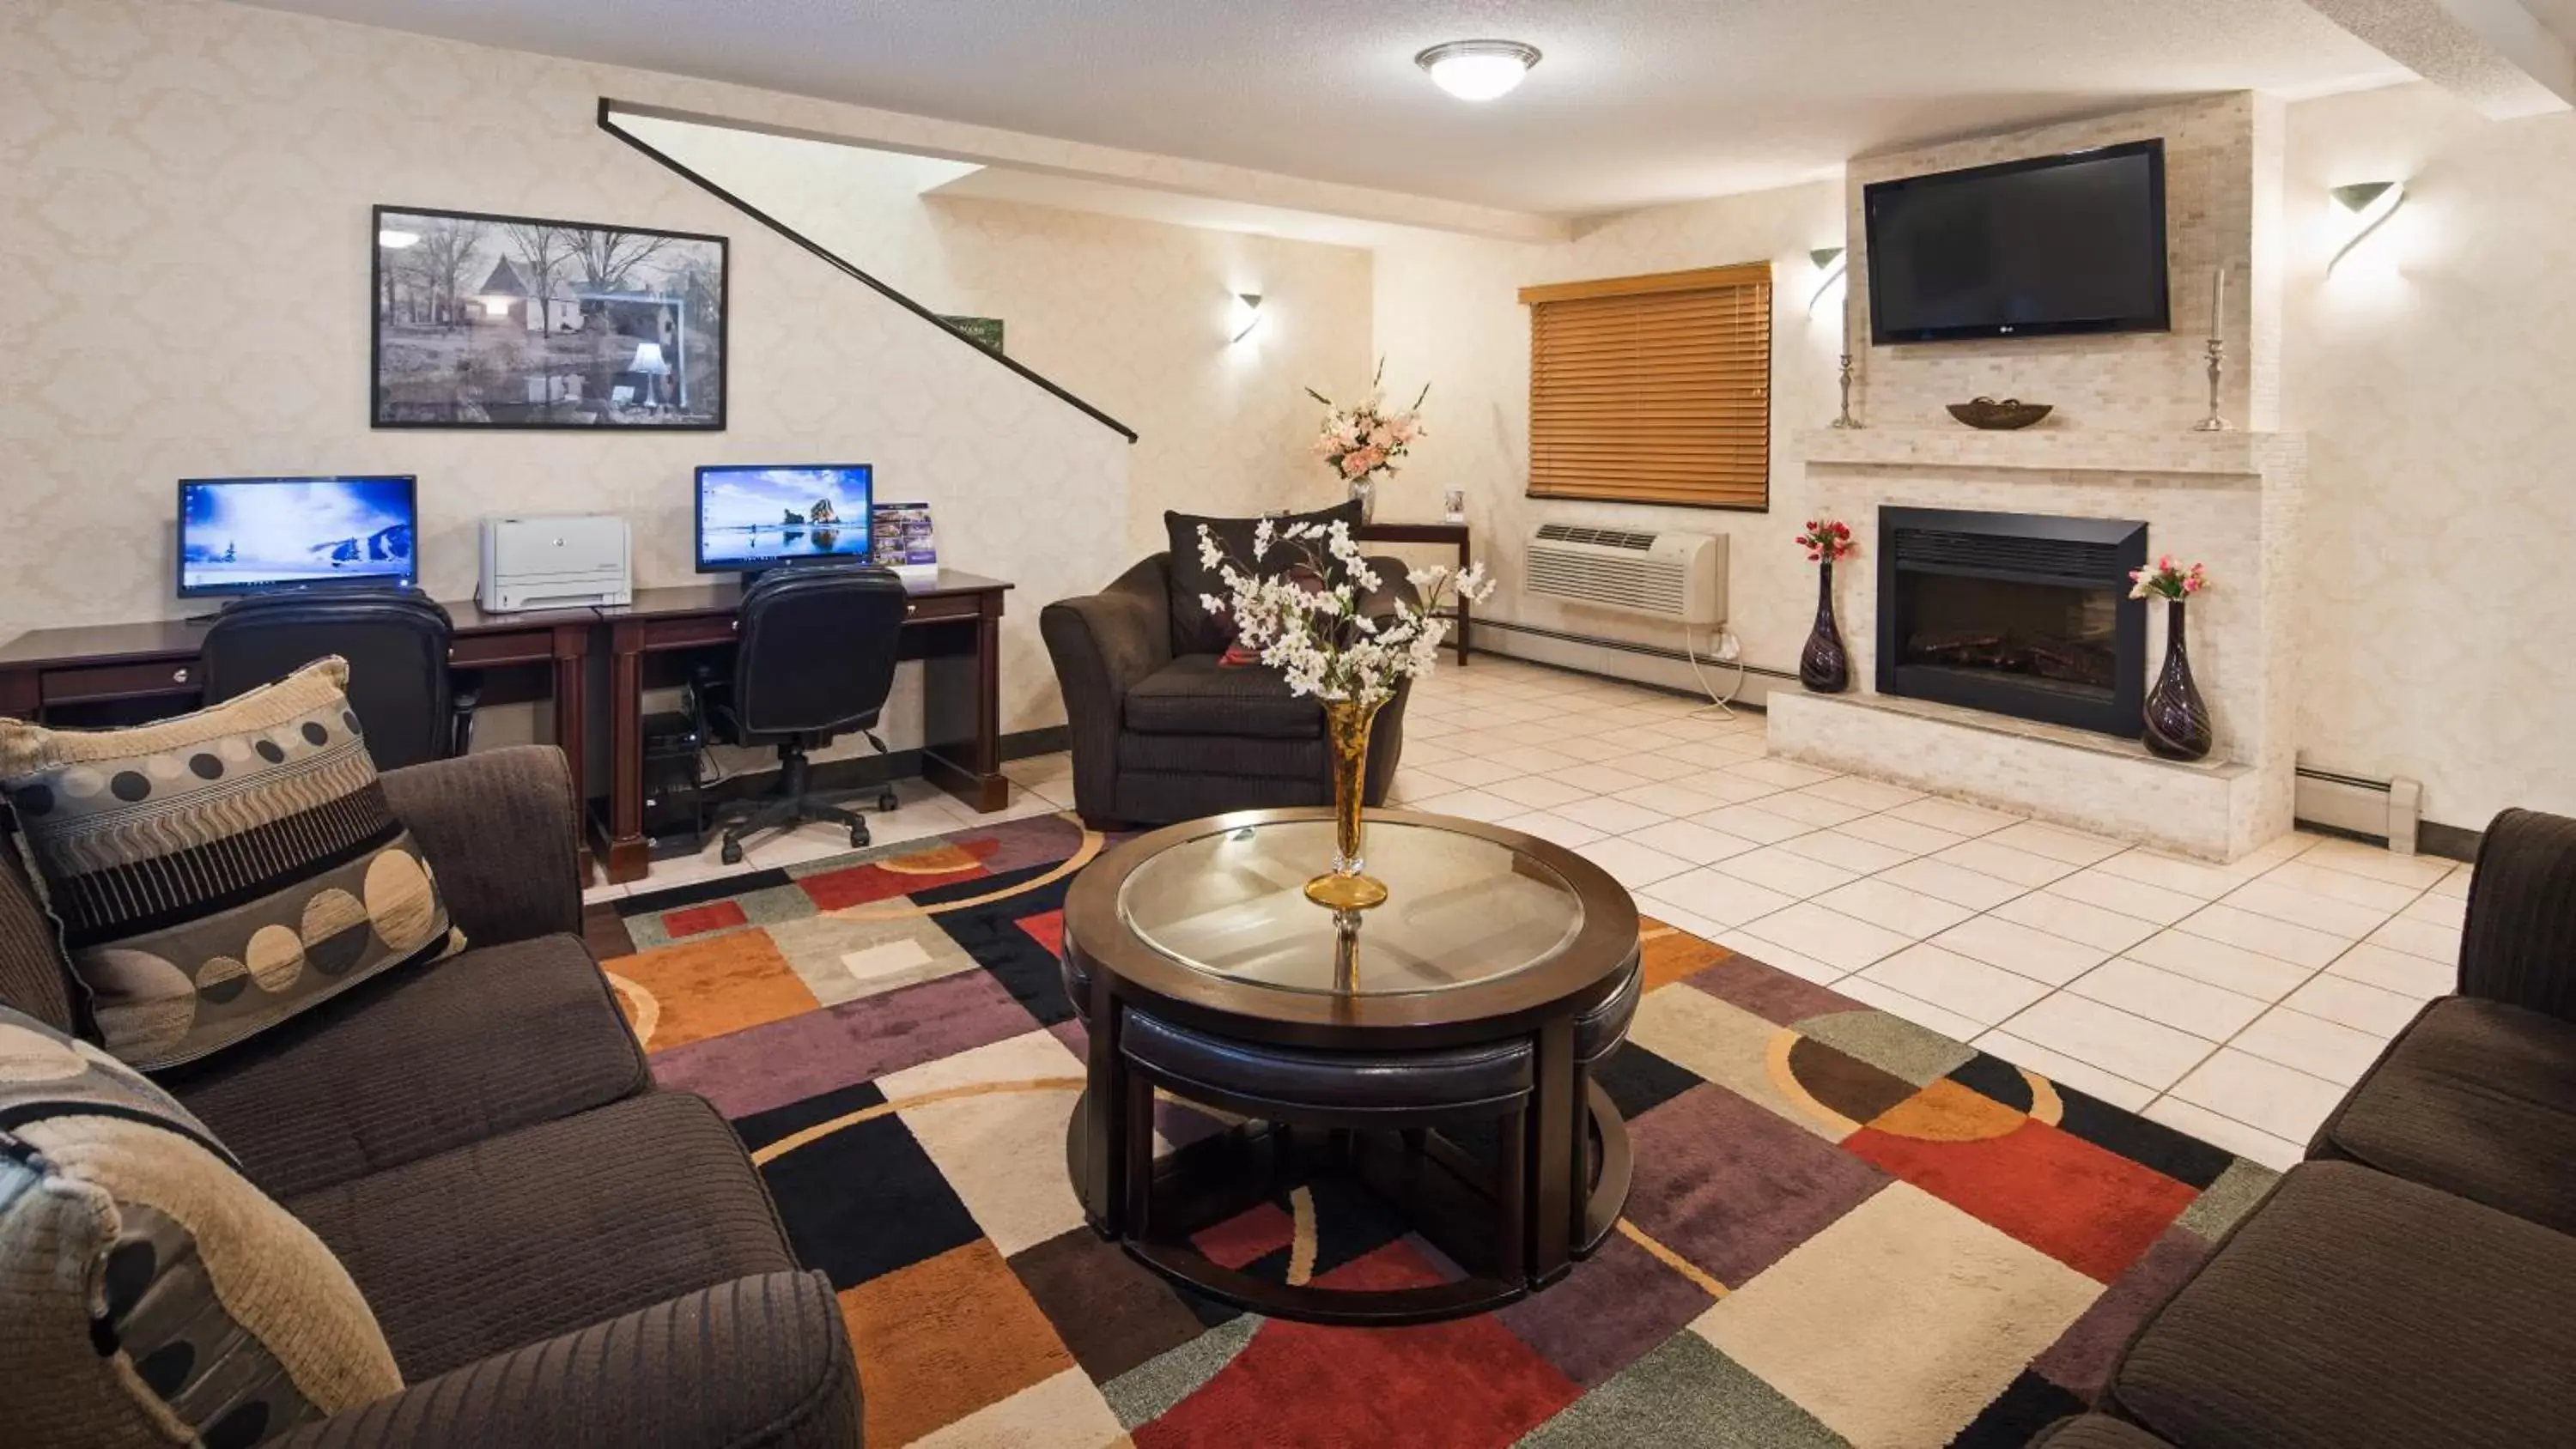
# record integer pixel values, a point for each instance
(2245, 456)
(2216, 810)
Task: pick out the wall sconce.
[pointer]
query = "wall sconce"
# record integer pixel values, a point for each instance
(1248, 317)
(1832, 261)
(2372, 203)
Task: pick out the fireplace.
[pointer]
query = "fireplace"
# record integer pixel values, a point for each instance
(2022, 614)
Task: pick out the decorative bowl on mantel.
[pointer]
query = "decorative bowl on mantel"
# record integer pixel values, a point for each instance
(1995, 416)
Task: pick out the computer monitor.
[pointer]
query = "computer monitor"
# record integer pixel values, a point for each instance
(756, 518)
(252, 535)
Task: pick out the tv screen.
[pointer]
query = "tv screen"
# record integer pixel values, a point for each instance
(2029, 248)
(244, 535)
(756, 518)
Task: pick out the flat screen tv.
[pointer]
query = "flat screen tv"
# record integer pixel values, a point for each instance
(251, 535)
(2058, 244)
(752, 518)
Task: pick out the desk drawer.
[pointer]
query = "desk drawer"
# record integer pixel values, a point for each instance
(942, 606)
(118, 681)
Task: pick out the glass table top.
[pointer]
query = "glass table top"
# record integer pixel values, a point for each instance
(1460, 910)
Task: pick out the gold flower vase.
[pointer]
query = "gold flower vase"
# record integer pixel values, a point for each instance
(1345, 887)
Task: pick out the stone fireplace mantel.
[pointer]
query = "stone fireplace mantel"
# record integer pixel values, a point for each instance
(2230, 499)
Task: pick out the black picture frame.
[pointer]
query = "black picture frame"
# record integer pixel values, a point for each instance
(461, 337)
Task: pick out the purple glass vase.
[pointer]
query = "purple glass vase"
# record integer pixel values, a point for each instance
(1824, 665)
(2177, 719)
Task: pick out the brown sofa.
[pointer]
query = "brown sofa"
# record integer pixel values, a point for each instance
(558, 1253)
(2414, 1282)
(1160, 736)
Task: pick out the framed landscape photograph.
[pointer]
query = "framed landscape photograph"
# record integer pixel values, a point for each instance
(518, 322)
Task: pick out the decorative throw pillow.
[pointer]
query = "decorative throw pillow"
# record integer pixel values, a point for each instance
(215, 874)
(1194, 629)
(149, 1295)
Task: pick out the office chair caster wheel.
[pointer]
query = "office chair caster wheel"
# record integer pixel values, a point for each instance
(886, 801)
(858, 834)
(731, 853)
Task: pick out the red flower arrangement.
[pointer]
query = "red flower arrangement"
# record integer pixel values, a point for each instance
(1827, 540)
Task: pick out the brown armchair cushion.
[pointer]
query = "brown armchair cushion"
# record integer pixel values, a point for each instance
(2353, 1308)
(499, 1038)
(2476, 1098)
(1195, 695)
(1194, 629)
(550, 1229)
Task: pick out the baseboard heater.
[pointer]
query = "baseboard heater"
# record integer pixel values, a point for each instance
(2390, 810)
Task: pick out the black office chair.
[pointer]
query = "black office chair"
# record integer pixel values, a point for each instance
(396, 642)
(816, 659)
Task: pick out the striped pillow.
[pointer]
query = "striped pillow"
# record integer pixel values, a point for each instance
(218, 873)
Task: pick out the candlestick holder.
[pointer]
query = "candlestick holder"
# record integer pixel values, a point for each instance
(1845, 419)
(2217, 370)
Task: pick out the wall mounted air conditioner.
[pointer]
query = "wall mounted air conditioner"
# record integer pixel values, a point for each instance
(1680, 577)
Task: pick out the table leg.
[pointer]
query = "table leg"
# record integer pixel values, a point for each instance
(18, 694)
(1466, 626)
(1104, 1115)
(628, 854)
(1554, 1149)
(961, 714)
(572, 722)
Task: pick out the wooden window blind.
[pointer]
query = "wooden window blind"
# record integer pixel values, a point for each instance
(1653, 389)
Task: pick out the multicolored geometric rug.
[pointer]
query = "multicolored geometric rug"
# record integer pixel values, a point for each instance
(1845, 1230)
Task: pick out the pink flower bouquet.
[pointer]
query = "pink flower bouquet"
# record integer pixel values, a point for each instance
(2167, 580)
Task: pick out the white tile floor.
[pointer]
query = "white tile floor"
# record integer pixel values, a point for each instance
(2235, 1003)
(2232, 1002)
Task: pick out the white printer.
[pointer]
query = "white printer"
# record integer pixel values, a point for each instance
(567, 561)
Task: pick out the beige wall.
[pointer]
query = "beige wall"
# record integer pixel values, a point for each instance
(1447, 313)
(2429, 377)
(184, 217)
(1133, 316)
(2432, 374)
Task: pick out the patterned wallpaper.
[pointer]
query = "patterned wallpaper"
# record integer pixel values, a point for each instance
(2431, 373)
(184, 195)
(1133, 316)
(1447, 312)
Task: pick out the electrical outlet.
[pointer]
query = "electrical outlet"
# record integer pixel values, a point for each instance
(1729, 648)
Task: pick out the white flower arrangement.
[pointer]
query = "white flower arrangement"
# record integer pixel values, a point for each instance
(1306, 621)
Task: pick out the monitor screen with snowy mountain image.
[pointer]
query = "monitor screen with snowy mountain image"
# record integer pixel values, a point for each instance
(246, 535)
(754, 518)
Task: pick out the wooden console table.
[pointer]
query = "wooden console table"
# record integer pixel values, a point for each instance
(1453, 534)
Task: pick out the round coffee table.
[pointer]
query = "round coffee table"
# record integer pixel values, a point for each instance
(1352, 1042)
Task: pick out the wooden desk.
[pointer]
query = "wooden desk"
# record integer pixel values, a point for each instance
(1453, 534)
(45, 670)
(954, 626)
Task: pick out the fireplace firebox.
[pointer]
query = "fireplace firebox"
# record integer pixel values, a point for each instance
(2023, 614)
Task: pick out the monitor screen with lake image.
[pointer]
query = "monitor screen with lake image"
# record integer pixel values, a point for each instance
(757, 518)
(248, 535)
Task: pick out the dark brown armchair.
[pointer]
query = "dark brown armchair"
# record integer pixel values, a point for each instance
(1164, 733)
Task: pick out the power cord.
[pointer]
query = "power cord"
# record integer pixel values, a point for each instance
(1726, 650)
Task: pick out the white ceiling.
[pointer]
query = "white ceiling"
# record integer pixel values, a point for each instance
(1638, 101)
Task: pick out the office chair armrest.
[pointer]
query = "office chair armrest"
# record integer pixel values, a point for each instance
(758, 1361)
(502, 833)
(2518, 944)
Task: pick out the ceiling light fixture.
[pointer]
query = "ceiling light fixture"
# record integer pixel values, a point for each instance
(2372, 203)
(1478, 70)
